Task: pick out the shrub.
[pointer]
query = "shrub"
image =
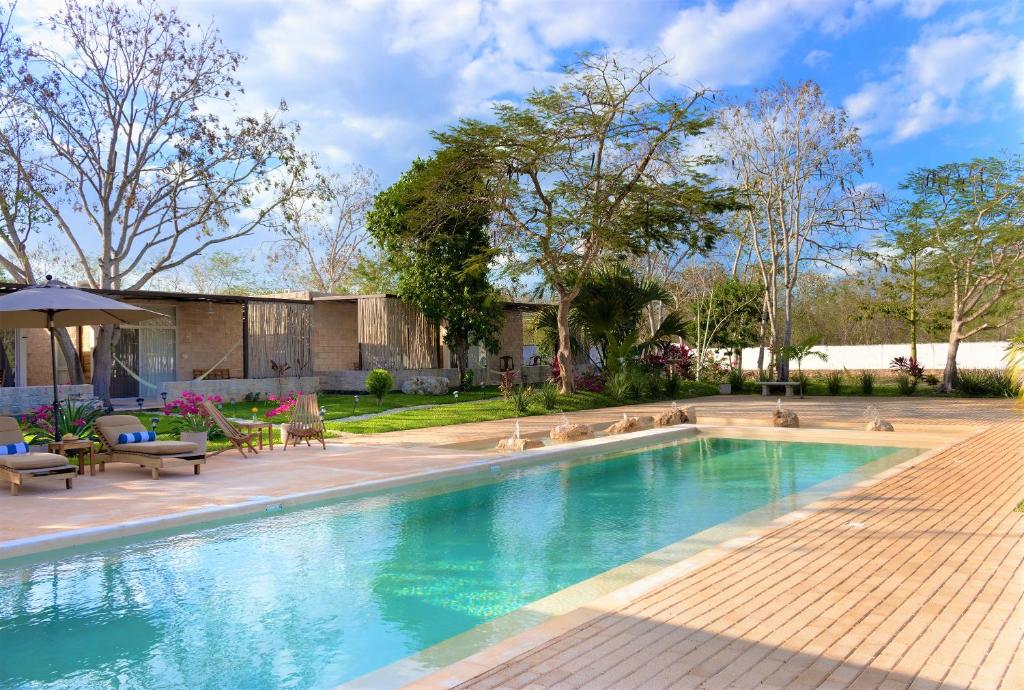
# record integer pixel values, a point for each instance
(648, 385)
(867, 382)
(906, 384)
(737, 380)
(985, 382)
(506, 381)
(834, 381)
(520, 397)
(620, 385)
(803, 379)
(76, 417)
(673, 386)
(467, 380)
(549, 394)
(378, 383)
(590, 381)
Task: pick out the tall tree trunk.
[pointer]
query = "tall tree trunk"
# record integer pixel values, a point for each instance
(460, 348)
(762, 327)
(71, 358)
(102, 363)
(949, 376)
(787, 336)
(913, 309)
(565, 363)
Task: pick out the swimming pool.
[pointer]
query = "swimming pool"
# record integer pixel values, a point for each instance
(312, 597)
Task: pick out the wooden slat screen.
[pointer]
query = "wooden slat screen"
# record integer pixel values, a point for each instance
(394, 335)
(282, 332)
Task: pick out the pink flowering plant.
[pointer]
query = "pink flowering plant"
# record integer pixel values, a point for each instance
(187, 413)
(76, 418)
(284, 404)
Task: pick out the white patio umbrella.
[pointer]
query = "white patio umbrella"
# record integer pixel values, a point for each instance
(58, 305)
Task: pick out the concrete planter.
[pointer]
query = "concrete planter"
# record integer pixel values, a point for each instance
(725, 389)
(197, 437)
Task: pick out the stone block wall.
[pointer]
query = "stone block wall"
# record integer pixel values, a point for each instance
(335, 336)
(16, 401)
(205, 332)
(237, 389)
(510, 341)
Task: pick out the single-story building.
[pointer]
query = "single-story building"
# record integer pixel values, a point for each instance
(240, 344)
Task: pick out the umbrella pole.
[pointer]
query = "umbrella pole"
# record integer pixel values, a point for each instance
(53, 366)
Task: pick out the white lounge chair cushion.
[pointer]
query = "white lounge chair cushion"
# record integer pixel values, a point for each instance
(33, 461)
(159, 447)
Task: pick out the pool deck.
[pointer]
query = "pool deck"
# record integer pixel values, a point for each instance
(915, 580)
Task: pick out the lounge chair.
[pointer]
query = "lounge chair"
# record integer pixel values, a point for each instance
(306, 422)
(238, 438)
(156, 455)
(22, 467)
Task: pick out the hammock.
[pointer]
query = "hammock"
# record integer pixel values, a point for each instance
(154, 386)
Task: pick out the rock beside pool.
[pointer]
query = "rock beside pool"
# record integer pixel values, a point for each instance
(676, 415)
(568, 432)
(879, 425)
(629, 424)
(785, 418)
(425, 385)
(519, 444)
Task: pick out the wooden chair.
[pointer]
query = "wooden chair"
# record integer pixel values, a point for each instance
(306, 421)
(238, 438)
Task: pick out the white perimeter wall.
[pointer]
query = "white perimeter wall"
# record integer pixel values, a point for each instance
(970, 355)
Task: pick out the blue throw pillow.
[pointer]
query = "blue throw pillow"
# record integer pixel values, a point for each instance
(137, 437)
(19, 448)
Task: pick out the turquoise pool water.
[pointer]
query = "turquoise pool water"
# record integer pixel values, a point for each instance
(314, 597)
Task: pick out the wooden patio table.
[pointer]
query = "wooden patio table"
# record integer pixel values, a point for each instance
(79, 447)
(258, 427)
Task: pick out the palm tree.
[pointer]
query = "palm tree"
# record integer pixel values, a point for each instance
(802, 351)
(608, 317)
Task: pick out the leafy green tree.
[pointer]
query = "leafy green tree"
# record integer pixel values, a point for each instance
(724, 313)
(592, 167)
(441, 256)
(968, 215)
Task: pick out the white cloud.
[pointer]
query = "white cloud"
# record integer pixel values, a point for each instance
(816, 57)
(943, 78)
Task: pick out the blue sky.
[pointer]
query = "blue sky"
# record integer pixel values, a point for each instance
(929, 81)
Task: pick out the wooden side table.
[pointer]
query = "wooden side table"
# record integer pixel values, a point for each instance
(79, 447)
(258, 427)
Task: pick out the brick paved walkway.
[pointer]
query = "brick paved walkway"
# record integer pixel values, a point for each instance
(915, 581)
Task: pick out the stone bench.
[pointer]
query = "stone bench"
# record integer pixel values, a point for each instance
(788, 385)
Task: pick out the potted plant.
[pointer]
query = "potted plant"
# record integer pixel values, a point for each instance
(189, 420)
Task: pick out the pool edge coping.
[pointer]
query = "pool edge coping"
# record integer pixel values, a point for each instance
(503, 651)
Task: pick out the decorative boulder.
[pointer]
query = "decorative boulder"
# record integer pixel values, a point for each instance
(425, 385)
(672, 417)
(519, 444)
(629, 424)
(785, 418)
(567, 432)
(879, 425)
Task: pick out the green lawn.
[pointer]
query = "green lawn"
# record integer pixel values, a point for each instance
(490, 410)
(478, 405)
(339, 406)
